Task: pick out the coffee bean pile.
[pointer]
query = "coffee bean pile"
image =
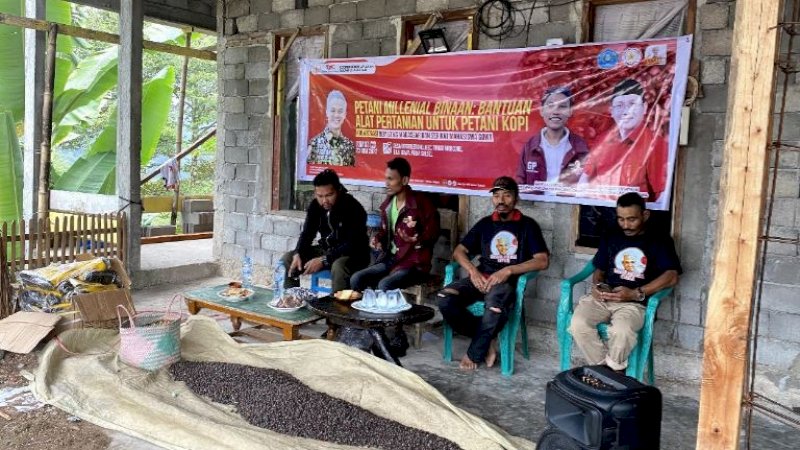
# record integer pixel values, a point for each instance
(277, 401)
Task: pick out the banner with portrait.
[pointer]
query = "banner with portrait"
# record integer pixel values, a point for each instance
(572, 124)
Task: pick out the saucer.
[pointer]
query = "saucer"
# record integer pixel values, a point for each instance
(376, 310)
(272, 303)
(236, 298)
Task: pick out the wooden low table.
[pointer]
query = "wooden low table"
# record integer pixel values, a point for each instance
(342, 314)
(254, 310)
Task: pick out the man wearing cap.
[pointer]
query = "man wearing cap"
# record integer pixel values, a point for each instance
(630, 155)
(508, 244)
(554, 155)
(630, 265)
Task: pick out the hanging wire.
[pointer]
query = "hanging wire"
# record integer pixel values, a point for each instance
(497, 19)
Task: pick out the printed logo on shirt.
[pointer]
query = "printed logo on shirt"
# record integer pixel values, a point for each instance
(630, 264)
(531, 167)
(504, 247)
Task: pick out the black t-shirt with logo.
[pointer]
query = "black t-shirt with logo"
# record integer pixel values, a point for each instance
(634, 261)
(502, 244)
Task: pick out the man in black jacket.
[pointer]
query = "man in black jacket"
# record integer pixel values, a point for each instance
(341, 222)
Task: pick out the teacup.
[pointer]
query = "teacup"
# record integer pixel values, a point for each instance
(395, 298)
(382, 301)
(369, 298)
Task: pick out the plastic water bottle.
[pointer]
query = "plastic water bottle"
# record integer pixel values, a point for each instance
(247, 272)
(278, 277)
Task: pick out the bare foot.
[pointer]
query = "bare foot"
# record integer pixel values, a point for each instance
(467, 364)
(491, 356)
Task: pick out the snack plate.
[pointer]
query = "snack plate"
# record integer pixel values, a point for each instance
(234, 298)
(278, 308)
(355, 295)
(375, 310)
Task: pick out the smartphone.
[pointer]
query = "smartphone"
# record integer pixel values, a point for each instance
(603, 287)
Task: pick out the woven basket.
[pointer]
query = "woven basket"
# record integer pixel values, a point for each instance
(152, 340)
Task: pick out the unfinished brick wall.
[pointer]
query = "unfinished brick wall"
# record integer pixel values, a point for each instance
(371, 28)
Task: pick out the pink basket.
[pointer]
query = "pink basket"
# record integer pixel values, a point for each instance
(152, 339)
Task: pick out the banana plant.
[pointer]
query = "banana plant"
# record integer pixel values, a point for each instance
(94, 172)
(10, 170)
(12, 100)
(79, 90)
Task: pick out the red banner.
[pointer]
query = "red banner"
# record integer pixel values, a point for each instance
(573, 124)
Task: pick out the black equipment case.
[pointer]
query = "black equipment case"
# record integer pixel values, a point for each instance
(598, 409)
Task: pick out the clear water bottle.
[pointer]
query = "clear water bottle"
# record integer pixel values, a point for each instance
(247, 272)
(278, 278)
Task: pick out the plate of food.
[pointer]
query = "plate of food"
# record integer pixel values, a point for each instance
(292, 300)
(347, 295)
(235, 292)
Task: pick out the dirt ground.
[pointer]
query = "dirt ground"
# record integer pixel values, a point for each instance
(44, 428)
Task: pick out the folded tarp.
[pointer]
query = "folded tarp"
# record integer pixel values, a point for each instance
(98, 388)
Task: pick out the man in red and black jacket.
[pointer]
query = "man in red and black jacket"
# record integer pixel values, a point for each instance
(409, 230)
(509, 244)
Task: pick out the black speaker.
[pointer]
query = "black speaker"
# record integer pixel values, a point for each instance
(595, 408)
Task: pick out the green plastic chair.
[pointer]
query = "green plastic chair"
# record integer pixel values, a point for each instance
(508, 335)
(641, 355)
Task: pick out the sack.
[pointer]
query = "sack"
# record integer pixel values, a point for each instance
(152, 340)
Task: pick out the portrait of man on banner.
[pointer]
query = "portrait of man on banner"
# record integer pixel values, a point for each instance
(631, 155)
(331, 147)
(554, 155)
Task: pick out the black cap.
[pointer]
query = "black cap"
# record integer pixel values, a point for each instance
(505, 184)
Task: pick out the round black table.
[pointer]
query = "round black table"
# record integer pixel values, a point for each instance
(344, 315)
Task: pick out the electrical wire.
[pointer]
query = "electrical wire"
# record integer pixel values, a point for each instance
(505, 26)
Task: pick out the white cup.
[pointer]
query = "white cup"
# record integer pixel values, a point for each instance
(401, 299)
(383, 300)
(394, 298)
(369, 298)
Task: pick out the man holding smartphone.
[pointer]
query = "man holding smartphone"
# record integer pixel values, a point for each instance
(630, 265)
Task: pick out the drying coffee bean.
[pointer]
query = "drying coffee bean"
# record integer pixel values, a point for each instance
(277, 401)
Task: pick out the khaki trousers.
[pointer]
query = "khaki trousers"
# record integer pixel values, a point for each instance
(626, 319)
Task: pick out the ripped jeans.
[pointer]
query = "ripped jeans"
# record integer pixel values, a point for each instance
(483, 329)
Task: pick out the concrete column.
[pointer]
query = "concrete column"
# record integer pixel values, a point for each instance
(129, 124)
(35, 42)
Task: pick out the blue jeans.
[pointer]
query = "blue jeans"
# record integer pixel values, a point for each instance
(382, 276)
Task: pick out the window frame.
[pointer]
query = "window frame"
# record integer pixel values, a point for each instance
(280, 40)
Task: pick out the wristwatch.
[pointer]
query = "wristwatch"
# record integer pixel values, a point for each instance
(324, 260)
(642, 295)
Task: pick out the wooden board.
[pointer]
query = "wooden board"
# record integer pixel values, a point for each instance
(744, 169)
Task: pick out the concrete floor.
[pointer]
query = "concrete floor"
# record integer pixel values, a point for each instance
(175, 262)
(516, 404)
(179, 253)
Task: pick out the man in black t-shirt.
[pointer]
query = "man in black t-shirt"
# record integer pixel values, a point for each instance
(509, 244)
(629, 266)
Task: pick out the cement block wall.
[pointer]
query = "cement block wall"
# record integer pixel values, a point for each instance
(371, 28)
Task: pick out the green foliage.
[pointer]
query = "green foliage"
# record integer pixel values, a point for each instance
(95, 171)
(84, 116)
(10, 170)
(12, 69)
